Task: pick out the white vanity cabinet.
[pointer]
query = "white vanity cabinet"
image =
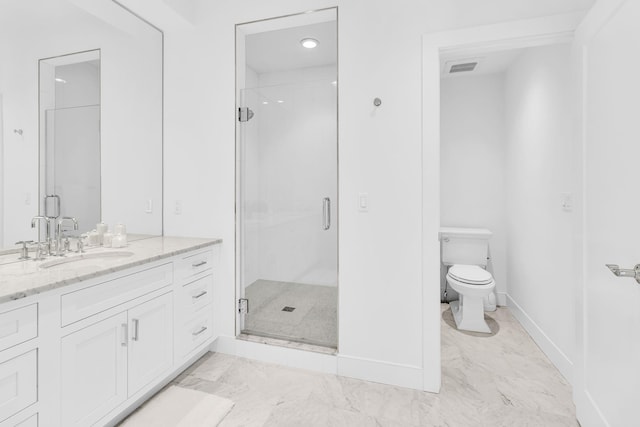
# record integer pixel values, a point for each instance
(150, 345)
(194, 275)
(105, 363)
(18, 363)
(88, 353)
(93, 371)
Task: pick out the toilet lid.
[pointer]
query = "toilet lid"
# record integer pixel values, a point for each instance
(471, 274)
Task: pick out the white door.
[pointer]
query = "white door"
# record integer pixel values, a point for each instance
(608, 375)
(150, 341)
(93, 371)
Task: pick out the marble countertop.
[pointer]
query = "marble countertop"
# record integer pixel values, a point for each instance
(24, 278)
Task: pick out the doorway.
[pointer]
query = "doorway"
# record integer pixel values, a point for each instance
(506, 165)
(287, 179)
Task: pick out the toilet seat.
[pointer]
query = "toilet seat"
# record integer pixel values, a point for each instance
(470, 274)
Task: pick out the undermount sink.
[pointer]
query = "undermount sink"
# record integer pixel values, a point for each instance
(90, 257)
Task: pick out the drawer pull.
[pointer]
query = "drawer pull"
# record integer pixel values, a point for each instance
(200, 295)
(198, 332)
(198, 264)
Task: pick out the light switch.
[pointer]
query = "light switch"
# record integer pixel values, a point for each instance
(149, 208)
(178, 207)
(363, 202)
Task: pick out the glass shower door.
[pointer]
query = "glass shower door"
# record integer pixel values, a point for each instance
(287, 194)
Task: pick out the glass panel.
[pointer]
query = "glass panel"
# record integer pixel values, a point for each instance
(73, 166)
(288, 214)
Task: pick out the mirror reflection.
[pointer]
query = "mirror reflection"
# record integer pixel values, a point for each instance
(80, 116)
(70, 131)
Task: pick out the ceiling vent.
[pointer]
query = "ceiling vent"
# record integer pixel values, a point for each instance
(461, 66)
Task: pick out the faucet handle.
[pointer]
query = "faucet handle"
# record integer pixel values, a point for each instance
(80, 242)
(24, 250)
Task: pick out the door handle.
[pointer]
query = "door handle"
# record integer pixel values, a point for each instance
(136, 324)
(326, 213)
(124, 337)
(621, 272)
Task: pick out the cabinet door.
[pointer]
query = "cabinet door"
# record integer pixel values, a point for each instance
(151, 341)
(93, 371)
(18, 383)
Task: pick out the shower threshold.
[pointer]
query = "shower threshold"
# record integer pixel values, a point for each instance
(301, 344)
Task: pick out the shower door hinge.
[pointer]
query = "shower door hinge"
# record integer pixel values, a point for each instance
(243, 306)
(245, 114)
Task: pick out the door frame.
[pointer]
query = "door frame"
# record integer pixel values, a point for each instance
(600, 14)
(507, 35)
(269, 24)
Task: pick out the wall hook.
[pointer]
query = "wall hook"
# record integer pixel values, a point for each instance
(18, 131)
(377, 102)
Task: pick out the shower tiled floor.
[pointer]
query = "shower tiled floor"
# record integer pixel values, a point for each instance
(501, 379)
(293, 311)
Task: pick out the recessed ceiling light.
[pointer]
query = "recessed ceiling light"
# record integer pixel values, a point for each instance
(265, 102)
(59, 80)
(309, 43)
(335, 82)
(280, 101)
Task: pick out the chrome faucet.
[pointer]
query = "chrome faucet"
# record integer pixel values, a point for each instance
(59, 248)
(36, 220)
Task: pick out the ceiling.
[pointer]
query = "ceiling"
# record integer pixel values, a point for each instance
(279, 50)
(21, 16)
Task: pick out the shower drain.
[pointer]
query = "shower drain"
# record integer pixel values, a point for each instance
(288, 309)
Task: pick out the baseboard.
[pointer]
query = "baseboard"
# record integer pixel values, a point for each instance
(501, 298)
(548, 347)
(291, 357)
(587, 412)
(347, 366)
(380, 372)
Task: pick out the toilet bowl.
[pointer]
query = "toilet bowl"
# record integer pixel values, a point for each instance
(473, 284)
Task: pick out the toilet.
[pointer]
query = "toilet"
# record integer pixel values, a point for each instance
(464, 251)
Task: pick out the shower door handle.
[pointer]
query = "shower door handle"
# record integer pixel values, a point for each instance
(326, 213)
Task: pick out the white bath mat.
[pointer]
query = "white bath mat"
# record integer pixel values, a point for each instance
(180, 407)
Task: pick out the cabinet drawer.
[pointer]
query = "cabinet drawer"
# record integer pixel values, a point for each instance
(86, 302)
(195, 295)
(194, 264)
(18, 326)
(18, 384)
(195, 332)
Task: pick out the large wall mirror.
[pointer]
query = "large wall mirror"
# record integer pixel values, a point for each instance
(80, 116)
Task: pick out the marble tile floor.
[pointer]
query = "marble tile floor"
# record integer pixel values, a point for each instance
(495, 380)
(313, 320)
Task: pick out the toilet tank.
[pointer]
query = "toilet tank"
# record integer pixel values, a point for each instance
(464, 245)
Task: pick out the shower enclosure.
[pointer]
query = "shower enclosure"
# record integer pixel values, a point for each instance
(287, 176)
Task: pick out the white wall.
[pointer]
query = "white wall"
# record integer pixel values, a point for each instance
(539, 101)
(381, 279)
(472, 163)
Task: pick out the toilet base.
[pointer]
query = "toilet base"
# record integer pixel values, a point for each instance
(469, 315)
